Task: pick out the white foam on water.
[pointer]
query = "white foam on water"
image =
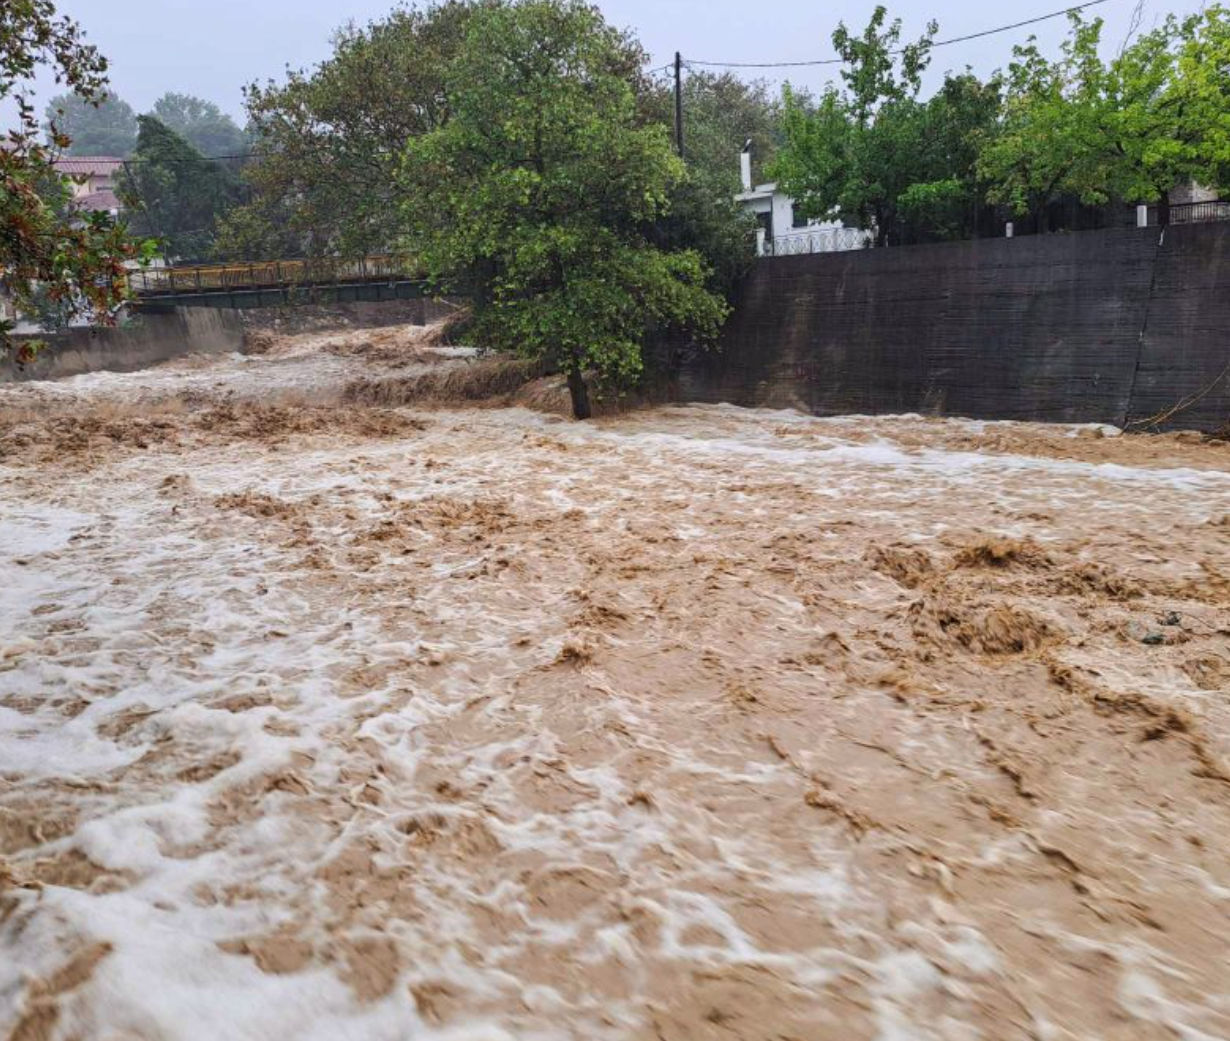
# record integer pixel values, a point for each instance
(217, 605)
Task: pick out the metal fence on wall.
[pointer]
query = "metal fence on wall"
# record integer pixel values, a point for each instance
(821, 240)
(803, 241)
(1194, 212)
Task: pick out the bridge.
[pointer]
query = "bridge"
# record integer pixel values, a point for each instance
(271, 283)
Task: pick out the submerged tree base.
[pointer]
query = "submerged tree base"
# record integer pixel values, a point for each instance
(579, 392)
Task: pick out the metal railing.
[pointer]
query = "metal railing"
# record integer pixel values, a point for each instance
(1198, 212)
(1184, 213)
(820, 240)
(272, 274)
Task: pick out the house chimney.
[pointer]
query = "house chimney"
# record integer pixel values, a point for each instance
(745, 165)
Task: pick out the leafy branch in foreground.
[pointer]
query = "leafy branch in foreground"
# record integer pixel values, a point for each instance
(49, 254)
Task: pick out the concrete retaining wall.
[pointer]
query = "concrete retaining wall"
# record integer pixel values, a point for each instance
(1101, 326)
(145, 340)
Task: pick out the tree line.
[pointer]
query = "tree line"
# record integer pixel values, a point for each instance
(182, 163)
(519, 153)
(1042, 140)
(107, 125)
(1056, 142)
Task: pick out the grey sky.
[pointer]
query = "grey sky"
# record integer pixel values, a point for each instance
(212, 49)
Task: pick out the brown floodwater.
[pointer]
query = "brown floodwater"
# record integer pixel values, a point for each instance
(693, 723)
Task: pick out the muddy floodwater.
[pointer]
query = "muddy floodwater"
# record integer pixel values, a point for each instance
(325, 721)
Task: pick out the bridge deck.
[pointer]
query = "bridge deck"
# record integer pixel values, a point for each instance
(269, 274)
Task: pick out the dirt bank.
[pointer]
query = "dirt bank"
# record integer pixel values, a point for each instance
(696, 723)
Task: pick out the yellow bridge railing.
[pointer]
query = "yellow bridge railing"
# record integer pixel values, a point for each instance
(262, 274)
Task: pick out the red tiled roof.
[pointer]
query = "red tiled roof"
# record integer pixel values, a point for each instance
(105, 200)
(89, 165)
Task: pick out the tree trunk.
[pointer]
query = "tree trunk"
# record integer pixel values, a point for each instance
(579, 393)
(1163, 209)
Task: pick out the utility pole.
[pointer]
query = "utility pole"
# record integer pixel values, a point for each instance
(679, 104)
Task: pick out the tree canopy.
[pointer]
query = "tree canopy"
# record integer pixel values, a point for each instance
(721, 112)
(100, 125)
(201, 123)
(1078, 129)
(874, 154)
(1131, 128)
(537, 194)
(173, 194)
(73, 262)
(330, 140)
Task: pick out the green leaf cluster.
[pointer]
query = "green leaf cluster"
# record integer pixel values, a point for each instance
(104, 125)
(1076, 127)
(329, 140)
(1130, 129)
(201, 123)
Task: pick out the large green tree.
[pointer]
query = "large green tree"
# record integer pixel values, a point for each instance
(1197, 98)
(330, 140)
(174, 194)
(102, 124)
(71, 261)
(1126, 129)
(537, 195)
(870, 152)
(201, 123)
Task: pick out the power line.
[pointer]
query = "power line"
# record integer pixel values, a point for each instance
(937, 43)
(188, 159)
(696, 61)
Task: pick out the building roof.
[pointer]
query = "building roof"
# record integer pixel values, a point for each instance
(89, 165)
(106, 201)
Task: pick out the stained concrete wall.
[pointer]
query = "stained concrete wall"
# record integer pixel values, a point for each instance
(1100, 326)
(145, 340)
(361, 314)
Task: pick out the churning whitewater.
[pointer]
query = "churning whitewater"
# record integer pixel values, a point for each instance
(325, 720)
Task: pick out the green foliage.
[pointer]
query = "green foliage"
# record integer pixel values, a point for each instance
(721, 113)
(74, 262)
(1129, 129)
(704, 218)
(330, 140)
(938, 206)
(874, 73)
(1053, 125)
(50, 313)
(872, 154)
(1076, 128)
(538, 194)
(1199, 95)
(102, 125)
(201, 123)
(174, 194)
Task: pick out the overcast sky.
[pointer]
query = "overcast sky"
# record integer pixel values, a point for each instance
(212, 49)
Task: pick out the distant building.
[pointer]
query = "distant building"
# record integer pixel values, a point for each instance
(1190, 192)
(93, 179)
(780, 232)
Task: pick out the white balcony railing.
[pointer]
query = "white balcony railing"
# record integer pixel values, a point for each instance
(814, 240)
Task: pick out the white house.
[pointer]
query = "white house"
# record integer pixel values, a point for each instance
(779, 232)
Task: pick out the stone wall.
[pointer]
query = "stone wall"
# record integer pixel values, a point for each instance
(1100, 326)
